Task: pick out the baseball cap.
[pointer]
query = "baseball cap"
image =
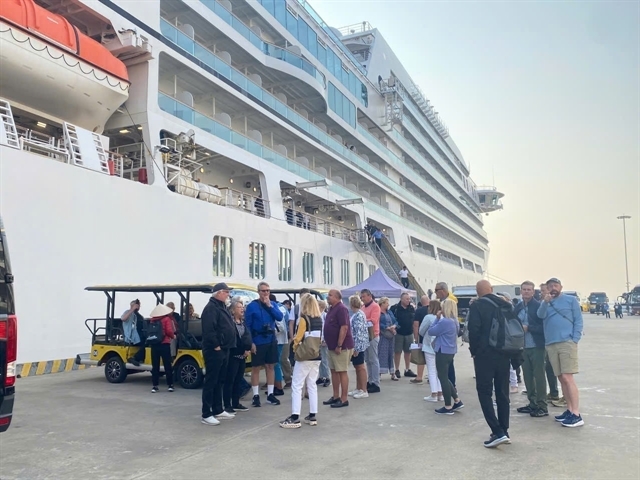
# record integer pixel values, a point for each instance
(220, 286)
(554, 280)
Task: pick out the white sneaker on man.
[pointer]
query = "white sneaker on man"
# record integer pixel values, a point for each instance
(353, 393)
(431, 399)
(225, 416)
(361, 394)
(210, 421)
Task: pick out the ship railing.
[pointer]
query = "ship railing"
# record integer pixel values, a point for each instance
(41, 144)
(265, 47)
(246, 202)
(116, 164)
(133, 159)
(313, 223)
(355, 28)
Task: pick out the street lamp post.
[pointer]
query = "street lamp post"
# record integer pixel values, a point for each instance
(624, 219)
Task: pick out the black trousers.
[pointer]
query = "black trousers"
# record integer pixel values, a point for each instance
(215, 364)
(443, 364)
(161, 351)
(405, 282)
(452, 373)
(141, 353)
(233, 382)
(492, 370)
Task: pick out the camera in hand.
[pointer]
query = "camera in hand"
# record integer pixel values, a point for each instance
(266, 330)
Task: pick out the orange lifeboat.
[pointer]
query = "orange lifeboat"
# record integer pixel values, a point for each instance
(50, 67)
(57, 30)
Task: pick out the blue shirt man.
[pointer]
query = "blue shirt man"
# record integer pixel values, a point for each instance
(260, 318)
(562, 331)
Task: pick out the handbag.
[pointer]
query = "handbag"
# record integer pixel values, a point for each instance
(417, 357)
(388, 334)
(309, 347)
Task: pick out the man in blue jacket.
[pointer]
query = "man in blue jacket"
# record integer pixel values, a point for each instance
(261, 316)
(533, 355)
(562, 332)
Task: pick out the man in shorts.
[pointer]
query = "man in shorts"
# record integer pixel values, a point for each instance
(261, 316)
(339, 340)
(562, 331)
(405, 313)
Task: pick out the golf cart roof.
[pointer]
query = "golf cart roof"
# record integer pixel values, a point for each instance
(296, 291)
(178, 287)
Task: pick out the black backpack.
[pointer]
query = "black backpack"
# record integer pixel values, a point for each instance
(155, 332)
(506, 334)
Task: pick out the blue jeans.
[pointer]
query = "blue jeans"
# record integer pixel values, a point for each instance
(278, 367)
(325, 372)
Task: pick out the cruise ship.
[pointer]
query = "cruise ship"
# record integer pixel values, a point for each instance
(170, 141)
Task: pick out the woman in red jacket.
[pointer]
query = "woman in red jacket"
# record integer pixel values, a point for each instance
(161, 345)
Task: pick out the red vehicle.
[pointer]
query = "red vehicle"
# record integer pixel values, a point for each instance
(8, 336)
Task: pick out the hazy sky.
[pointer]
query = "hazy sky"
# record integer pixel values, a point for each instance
(543, 96)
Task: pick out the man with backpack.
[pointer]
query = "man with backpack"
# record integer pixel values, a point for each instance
(562, 332)
(493, 337)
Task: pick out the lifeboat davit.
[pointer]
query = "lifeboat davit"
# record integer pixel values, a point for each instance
(48, 65)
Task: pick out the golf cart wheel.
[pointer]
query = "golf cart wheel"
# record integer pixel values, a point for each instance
(115, 370)
(190, 374)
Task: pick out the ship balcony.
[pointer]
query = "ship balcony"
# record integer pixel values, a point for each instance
(186, 28)
(277, 155)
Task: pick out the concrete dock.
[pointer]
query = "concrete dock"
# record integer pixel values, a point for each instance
(77, 426)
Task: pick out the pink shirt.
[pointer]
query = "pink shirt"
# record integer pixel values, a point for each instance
(372, 313)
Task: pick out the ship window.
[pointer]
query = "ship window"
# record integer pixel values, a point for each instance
(307, 267)
(344, 272)
(222, 256)
(322, 54)
(478, 268)
(269, 5)
(303, 32)
(281, 12)
(327, 270)
(331, 58)
(372, 269)
(359, 273)
(284, 265)
(312, 42)
(292, 24)
(256, 260)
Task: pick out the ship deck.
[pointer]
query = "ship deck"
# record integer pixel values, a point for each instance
(76, 425)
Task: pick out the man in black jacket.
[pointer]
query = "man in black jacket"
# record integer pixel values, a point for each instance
(492, 366)
(533, 366)
(218, 337)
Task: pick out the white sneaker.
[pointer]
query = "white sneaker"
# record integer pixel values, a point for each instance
(440, 398)
(361, 394)
(210, 421)
(431, 399)
(225, 416)
(353, 393)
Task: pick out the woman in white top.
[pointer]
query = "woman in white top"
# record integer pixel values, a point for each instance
(430, 354)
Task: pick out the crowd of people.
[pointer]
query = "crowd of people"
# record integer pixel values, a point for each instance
(312, 343)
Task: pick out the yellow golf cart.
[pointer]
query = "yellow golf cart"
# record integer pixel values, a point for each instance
(108, 347)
